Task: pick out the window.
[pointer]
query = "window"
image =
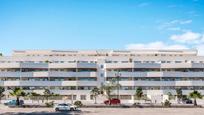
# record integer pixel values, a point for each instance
(137, 61)
(102, 66)
(163, 61)
(102, 74)
(125, 61)
(125, 97)
(83, 97)
(178, 61)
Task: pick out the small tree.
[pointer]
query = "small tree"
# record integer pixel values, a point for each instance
(139, 93)
(107, 90)
(18, 92)
(170, 96)
(95, 92)
(1, 54)
(1, 93)
(179, 94)
(195, 95)
(33, 96)
(47, 61)
(167, 103)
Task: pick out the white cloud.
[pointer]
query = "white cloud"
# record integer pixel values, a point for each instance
(162, 45)
(174, 28)
(185, 21)
(187, 37)
(186, 40)
(155, 45)
(174, 25)
(180, 22)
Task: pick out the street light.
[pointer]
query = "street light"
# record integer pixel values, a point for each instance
(118, 74)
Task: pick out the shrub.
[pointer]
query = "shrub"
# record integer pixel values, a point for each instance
(167, 103)
(78, 103)
(49, 104)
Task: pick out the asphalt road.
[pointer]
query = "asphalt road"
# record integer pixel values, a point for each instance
(104, 111)
(44, 113)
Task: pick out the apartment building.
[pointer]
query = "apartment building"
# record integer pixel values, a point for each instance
(74, 73)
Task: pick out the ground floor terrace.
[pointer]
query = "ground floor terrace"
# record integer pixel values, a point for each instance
(85, 96)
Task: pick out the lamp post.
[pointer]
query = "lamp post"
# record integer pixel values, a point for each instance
(118, 74)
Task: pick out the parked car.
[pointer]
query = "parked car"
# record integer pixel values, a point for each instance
(113, 101)
(65, 107)
(188, 101)
(14, 103)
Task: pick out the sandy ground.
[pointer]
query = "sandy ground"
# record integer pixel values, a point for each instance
(107, 111)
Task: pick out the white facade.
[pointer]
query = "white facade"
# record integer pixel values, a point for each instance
(75, 73)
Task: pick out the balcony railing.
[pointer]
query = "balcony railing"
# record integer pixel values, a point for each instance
(156, 74)
(48, 74)
(48, 83)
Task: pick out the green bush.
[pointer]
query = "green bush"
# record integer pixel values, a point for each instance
(167, 103)
(78, 103)
(49, 104)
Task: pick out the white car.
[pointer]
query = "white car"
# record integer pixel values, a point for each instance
(65, 107)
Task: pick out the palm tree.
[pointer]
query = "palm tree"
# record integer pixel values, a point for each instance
(18, 92)
(95, 92)
(107, 90)
(179, 94)
(139, 93)
(47, 93)
(1, 93)
(195, 94)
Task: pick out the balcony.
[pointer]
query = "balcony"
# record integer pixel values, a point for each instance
(154, 65)
(23, 74)
(73, 74)
(10, 74)
(48, 83)
(71, 92)
(197, 65)
(119, 65)
(176, 65)
(72, 65)
(135, 74)
(161, 83)
(34, 65)
(157, 74)
(47, 74)
(147, 65)
(46, 65)
(10, 65)
(183, 74)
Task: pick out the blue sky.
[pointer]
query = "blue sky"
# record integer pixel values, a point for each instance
(101, 24)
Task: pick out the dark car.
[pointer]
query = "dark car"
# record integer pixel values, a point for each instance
(188, 101)
(112, 102)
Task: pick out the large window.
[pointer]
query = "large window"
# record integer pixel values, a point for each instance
(83, 97)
